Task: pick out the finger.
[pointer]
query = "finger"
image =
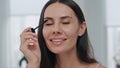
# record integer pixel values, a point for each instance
(24, 48)
(29, 50)
(28, 35)
(27, 29)
(29, 44)
(35, 49)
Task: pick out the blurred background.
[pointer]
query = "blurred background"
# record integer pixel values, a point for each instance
(102, 17)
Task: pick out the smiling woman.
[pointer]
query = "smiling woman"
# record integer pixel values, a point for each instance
(62, 40)
(62, 29)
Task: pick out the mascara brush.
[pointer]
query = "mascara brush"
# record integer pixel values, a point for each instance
(33, 29)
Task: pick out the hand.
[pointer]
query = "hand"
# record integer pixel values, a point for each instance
(30, 48)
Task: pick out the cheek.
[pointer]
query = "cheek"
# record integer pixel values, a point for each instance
(45, 33)
(72, 35)
(71, 32)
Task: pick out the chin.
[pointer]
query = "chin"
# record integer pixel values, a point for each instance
(57, 50)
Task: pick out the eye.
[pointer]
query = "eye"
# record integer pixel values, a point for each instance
(66, 22)
(48, 23)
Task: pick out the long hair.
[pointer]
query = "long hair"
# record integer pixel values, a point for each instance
(84, 48)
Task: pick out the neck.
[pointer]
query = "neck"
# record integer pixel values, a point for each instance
(68, 60)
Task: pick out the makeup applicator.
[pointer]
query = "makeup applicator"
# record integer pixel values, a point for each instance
(33, 29)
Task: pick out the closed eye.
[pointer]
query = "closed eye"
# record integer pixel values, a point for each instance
(48, 24)
(66, 22)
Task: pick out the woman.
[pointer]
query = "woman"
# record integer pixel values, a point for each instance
(62, 40)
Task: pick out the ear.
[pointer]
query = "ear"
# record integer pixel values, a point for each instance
(82, 29)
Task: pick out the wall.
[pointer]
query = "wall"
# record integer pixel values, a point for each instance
(95, 14)
(4, 14)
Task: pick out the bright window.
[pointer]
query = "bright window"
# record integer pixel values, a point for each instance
(113, 28)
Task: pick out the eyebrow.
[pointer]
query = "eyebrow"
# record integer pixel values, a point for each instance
(66, 17)
(63, 17)
(48, 18)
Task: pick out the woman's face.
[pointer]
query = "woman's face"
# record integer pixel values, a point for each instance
(62, 28)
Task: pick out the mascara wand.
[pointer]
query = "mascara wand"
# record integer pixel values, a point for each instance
(33, 29)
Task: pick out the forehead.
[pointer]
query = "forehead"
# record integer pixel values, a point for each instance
(58, 10)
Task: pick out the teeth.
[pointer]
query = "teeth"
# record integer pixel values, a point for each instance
(56, 40)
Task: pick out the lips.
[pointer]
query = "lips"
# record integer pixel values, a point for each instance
(57, 41)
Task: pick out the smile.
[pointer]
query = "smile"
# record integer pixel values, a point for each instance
(57, 41)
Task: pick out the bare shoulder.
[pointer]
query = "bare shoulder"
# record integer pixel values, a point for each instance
(101, 66)
(96, 65)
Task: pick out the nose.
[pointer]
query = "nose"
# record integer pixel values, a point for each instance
(57, 29)
(57, 32)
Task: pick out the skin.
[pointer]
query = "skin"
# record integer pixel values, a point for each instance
(30, 51)
(60, 33)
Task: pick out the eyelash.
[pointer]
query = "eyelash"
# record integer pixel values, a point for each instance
(49, 24)
(66, 22)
